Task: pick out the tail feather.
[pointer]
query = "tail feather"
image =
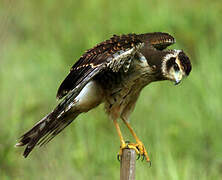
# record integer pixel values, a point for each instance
(57, 128)
(47, 138)
(46, 129)
(66, 111)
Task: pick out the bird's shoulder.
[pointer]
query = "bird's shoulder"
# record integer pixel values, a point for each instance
(110, 54)
(105, 51)
(157, 40)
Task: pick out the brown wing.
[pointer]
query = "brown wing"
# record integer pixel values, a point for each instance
(157, 40)
(111, 54)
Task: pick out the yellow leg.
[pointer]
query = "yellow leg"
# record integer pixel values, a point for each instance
(139, 144)
(119, 133)
(122, 142)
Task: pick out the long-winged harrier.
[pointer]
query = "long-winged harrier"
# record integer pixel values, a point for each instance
(113, 72)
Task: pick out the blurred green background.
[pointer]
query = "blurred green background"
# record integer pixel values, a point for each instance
(180, 125)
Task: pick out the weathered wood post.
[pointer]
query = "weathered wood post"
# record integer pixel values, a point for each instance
(128, 164)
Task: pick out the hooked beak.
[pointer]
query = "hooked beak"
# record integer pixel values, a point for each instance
(178, 77)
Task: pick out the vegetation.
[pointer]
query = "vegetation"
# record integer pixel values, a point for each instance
(180, 125)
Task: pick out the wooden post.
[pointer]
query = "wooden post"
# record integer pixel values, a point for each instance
(128, 164)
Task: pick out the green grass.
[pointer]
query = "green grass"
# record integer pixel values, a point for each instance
(180, 125)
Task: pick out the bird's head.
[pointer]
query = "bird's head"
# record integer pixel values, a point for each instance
(175, 66)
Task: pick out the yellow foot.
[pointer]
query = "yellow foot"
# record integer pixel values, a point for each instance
(122, 147)
(138, 147)
(140, 150)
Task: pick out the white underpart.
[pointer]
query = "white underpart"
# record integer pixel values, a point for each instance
(90, 96)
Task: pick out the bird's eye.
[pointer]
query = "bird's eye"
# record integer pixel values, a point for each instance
(176, 67)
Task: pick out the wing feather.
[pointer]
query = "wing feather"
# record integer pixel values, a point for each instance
(158, 40)
(110, 54)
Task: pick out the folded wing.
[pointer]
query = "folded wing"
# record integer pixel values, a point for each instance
(110, 54)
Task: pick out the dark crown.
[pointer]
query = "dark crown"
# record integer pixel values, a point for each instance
(185, 61)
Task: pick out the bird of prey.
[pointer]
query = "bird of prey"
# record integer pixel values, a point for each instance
(113, 72)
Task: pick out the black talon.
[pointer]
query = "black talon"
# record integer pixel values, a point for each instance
(137, 148)
(149, 163)
(118, 157)
(138, 156)
(143, 157)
